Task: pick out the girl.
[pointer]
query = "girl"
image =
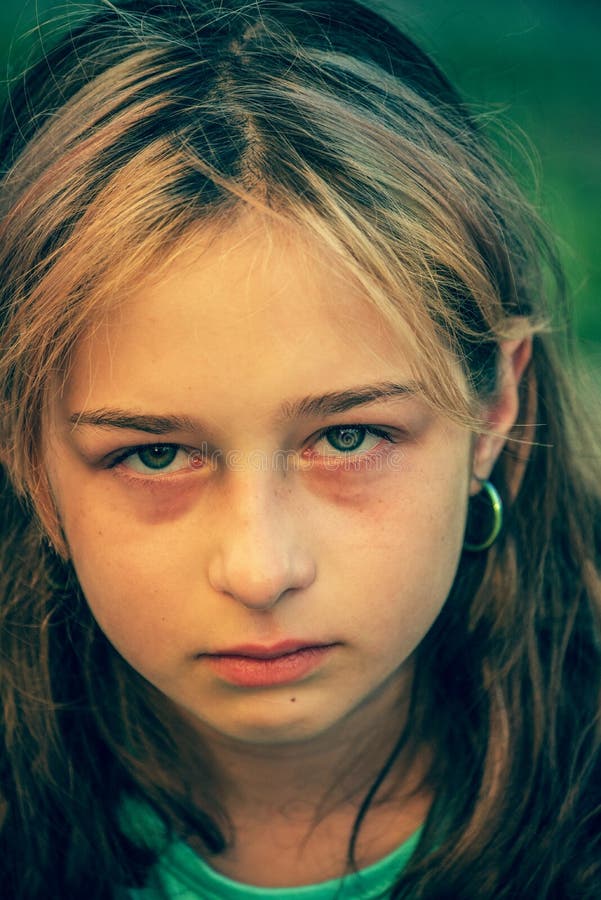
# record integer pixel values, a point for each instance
(300, 563)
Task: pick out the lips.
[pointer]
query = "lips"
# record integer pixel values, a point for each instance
(253, 665)
(257, 651)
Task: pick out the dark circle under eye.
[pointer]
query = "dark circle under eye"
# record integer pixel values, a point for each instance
(346, 438)
(158, 457)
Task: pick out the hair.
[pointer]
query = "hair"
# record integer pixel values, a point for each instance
(146, 121)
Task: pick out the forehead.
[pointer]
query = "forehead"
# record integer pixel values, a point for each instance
(252, 311)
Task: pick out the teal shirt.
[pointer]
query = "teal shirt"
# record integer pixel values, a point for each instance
(180, 874)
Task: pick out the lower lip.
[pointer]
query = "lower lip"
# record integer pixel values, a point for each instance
(248, 671)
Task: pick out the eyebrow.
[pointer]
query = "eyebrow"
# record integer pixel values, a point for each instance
(306, 407)
(341, 401)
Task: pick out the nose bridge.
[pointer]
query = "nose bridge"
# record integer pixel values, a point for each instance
(258, 552)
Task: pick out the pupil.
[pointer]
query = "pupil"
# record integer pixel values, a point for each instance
(158, 457)
(346, 438)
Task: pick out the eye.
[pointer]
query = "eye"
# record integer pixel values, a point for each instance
(156, 458)
(348, 439)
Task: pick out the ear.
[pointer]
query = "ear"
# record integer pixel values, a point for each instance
(502, 411)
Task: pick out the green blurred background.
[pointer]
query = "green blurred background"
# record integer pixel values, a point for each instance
(532, 64)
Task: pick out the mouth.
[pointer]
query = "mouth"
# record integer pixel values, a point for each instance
(253, 665)
(284, 648)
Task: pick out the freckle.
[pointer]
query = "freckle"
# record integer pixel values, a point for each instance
(293, 699)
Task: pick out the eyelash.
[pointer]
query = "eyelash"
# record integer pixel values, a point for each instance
(356, 459)
(331, 459)
(140, 448)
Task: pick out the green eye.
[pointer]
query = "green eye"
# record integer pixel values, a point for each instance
(346, 438)
(158, 457)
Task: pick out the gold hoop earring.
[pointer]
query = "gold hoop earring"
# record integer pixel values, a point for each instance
(491, 512)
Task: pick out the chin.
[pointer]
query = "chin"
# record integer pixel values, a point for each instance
(265, 727)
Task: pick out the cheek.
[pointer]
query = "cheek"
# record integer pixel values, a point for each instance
(403, 550)
(126, 572)
(413, 519)
(131, 607)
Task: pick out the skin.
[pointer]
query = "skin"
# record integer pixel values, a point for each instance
(235, 550)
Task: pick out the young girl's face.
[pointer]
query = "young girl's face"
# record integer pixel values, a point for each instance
(264, 551)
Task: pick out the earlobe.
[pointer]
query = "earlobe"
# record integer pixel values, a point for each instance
(501, 413)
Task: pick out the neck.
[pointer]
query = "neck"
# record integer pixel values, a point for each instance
(303, 797)
(318, 775)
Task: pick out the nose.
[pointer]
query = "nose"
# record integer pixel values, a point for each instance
(259, 553)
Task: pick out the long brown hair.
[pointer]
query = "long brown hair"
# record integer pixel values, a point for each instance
(141, 123)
